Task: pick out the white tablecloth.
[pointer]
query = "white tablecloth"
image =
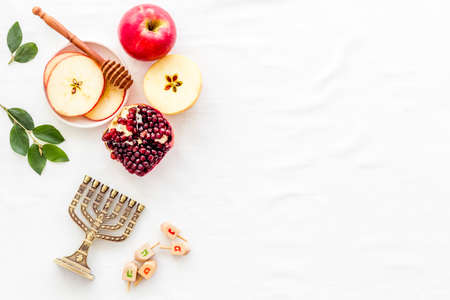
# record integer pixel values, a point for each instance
(315, 164)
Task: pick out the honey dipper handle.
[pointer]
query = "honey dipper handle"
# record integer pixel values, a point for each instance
(53, 23)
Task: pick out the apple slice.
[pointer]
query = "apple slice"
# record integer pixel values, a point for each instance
(108, 104)
(53, 62)
(75, 86)
(173, 84)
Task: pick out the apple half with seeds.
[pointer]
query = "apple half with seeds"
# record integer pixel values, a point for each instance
(75, 85)
(173, 84)
(138, 137)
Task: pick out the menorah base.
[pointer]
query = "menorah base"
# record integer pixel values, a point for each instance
(75, 267)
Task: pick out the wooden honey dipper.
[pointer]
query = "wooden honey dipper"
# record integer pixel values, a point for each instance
(114, 72)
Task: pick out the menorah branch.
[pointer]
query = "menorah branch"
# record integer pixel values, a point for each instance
(117, 208)
(99, 198)
(128, 229)
(87, 199)
(75, 201)
(121, 221)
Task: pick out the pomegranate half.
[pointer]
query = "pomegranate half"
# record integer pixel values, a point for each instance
(139, 137)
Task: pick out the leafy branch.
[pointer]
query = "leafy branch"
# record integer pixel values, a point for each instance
(38, 153)
(19, 53)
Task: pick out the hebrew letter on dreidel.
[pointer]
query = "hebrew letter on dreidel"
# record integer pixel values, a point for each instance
(94, 227)
(147, 269)
(177, 248)
(145, 252)
(171, 231)
(129, 272)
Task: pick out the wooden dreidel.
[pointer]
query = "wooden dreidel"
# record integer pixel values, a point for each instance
(171, 231)
(129, 272)
(146, 271)
(145, 252)
(177, 248)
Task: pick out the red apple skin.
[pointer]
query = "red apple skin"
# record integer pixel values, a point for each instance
(142, 43)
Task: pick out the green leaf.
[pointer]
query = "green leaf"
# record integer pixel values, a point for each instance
(18, 139)
(22, 117)
(54, 153)
(49, 134)
(35, 159)
(26, 52)
(14, 37)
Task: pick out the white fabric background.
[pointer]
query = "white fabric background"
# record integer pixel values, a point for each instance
(315, 164)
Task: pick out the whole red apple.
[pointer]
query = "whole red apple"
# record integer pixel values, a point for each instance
(147, 32)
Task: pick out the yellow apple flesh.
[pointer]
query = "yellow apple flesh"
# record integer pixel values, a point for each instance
(75, 86)
(173, 84)
(108, 104)
(53, 62)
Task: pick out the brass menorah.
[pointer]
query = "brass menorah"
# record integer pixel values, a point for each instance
(77, 262)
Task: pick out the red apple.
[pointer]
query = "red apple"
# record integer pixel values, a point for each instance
(147, 32)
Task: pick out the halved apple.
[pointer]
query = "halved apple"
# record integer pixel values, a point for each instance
(173, 84)
(53, 62)
(109, 103)
(75, 86)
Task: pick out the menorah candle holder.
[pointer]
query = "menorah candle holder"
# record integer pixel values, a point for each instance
(99, 226)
